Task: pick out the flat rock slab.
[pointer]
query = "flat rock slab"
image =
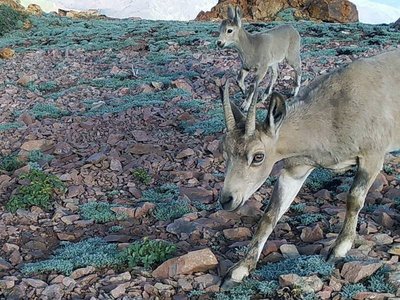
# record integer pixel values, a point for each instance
(195, 261)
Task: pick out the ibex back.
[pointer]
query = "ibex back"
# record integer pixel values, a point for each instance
(348, 117)
(261, 51)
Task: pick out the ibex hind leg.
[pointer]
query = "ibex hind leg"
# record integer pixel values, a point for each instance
(274, 77)
(368, 169)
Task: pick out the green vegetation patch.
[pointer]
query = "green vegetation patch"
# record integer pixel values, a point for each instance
(70, 256)
(10, 125)
(350, 290)
(37, 156)
(169, 205)
(302, 266)
(10, 163)
(147, 253)
(135, 101)
(38, 191)
(319, 179)
(99, 212)
(141, 175)
(248, 289)
(10, 19)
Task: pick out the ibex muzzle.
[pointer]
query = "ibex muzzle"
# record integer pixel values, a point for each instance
(261, 51)
(345, 118)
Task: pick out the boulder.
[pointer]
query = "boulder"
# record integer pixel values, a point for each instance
(13, 4)
(342, 11)
(356, 271)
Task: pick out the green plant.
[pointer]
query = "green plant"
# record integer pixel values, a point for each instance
(161, 193)
(147, 253)
(302, 266)
(171, 209)
(286, 15)
(307, 218)
(8, 126)
(69, 256)
(350, 290)
(378, 283)
(43, 110)
(298, 208)
(39, 156)
(141, 175)
(99, 212)
(249, 288)
(196, 293)
(115, 228)
(39, 191)
(10, 19)
(318, 179)
(10, 163)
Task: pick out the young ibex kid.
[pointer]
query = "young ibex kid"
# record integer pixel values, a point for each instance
(350, 117)
(261, 51)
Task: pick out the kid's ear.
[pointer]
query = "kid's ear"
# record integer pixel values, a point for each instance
(238, 16)
(231, 13)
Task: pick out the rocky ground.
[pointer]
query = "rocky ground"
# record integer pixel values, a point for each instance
(127, 115)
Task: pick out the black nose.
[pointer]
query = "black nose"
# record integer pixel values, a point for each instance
(225, 200)
(219, 43)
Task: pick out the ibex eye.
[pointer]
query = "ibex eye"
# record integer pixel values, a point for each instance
(258, 158)
(229, 31)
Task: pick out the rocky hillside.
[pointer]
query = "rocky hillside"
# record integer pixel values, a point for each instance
(341, 11)
(110, 168)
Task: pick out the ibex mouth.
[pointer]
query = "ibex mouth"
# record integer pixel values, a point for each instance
(220, 44)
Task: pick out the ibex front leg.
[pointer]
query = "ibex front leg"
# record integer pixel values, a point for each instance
(286, 188)
(260, 74)
(368, 169)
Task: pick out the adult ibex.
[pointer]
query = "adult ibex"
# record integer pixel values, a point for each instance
(348, 117)
(261, 51)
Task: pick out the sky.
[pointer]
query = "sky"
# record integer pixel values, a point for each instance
(370, 11)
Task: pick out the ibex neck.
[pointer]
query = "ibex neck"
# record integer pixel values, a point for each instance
(244, 45)
(300, 136)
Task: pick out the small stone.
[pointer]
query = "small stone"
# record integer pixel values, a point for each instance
(323, 194)
(36, 283)
(68, 282)
(309, 284)
(26, 79)
(4, 265)
(126, 276)
(7, 53)
(140, 136)
(185, 284)
(237, 234)
(78, 273)
(96, 158)
(42, 145)
(34, 9)
(372, 295)
(119, 290)
(395, 250)
(114, 138)
(195, 261)
(312, 234)
(70, 219)
(206, 280)
(185, 153)
(6, 284)
(379, 183)
(385, 220)
(356, 271)
(289, 251)
(53, 292)
(382, 239)
(115, 165)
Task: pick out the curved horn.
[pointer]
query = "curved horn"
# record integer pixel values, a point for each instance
(228, 114)
(251, 115)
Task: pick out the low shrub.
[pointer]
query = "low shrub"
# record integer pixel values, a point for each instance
(39, 191)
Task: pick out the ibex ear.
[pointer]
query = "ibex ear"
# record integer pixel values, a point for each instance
(231, 13)
(276, 113)
(238, 16)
